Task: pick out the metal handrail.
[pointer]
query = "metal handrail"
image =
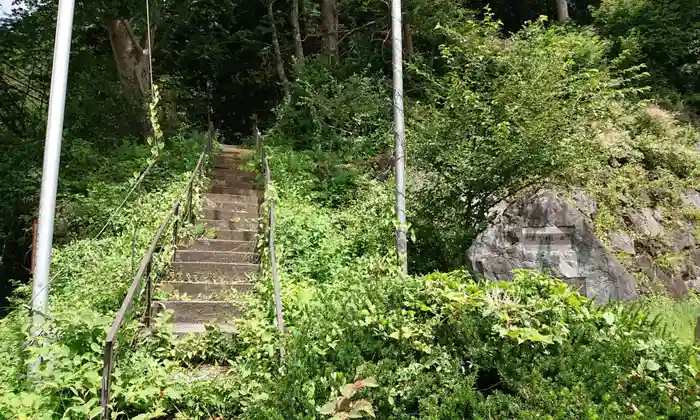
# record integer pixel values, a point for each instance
(145, 272)
(265, 167)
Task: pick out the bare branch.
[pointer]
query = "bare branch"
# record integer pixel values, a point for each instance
(350, 32)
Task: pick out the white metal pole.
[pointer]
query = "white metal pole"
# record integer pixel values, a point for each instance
(52, 156)
(397, 59)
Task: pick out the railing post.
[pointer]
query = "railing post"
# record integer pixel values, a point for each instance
(190, 213)
(106, 379)
(210, 139)
(697, 331)
(175, 227)
(275, 278)
(149, 293)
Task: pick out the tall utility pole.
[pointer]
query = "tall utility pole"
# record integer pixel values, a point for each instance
(399, 158)
(52, 155)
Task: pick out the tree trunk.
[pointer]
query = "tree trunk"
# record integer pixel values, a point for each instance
(407, 31)
(296, 31)
(131, 59)
(562, 10)
(407, 39)
(329, 14)
(279, 63)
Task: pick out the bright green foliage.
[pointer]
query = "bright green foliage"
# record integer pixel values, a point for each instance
(487, 116)
(347, 115)
(664, 34)
(678, 318)
(443, 346)
(440, 346)
(311, 247)
(91, 275)
(506, 114)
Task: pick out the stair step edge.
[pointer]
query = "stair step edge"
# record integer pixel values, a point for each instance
(218, 263)
(209, 283)
(199, 328)
(204, 251)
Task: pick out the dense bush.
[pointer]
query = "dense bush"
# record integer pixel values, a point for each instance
(329, 112)
(487, 117)
(663, 34)
(507, 113)
(90, 277)
(443, 345)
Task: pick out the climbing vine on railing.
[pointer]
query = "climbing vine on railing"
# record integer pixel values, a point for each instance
(155, 140)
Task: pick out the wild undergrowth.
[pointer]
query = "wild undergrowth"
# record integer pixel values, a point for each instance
(92, 267)
(491, 116)
(677, 318)
(365, 339)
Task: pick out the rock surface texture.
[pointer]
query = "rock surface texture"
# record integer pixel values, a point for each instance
(544, 231)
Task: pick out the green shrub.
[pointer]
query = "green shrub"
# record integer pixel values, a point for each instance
(443, 345)
(663, 34)
(350, 116)
(90, 276)
(508, 113)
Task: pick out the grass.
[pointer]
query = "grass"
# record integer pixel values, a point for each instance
(678, 317)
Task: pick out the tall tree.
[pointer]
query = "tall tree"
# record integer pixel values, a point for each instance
(562, 10)
(131, 58)
(296, 30)
(279, 62)
(329, 23)
(407, 31)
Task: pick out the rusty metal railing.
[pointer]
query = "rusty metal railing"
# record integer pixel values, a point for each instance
(265, 168)
(144, 273)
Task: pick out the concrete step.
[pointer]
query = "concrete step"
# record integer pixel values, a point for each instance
(243, 207)
(202, 271)
(234, 190)
(215, 256)
(183, 328)
(242, 184)
(217, 245)
(204, 291)
(241, 224)
(247, 199)
(219, 214)
(199, 311)
(234, 149)
(236, 235)
(230, 161)
(232, 176)
(229, 165)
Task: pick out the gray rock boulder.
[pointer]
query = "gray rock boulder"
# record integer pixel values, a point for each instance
(644, 222)
(621, 242)
(543, 231)
(691, 199)
(680, 240)
(584, 202)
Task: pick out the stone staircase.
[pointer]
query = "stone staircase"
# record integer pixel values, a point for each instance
(208, 274)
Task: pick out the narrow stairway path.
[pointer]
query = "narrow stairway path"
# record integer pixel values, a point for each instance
(208, 274)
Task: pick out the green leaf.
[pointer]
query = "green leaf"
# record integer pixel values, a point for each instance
(370, 382)
(652, 366)
(96, 411)
(328, 408)
(348, 390)
(609, 318)
(361, 407)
